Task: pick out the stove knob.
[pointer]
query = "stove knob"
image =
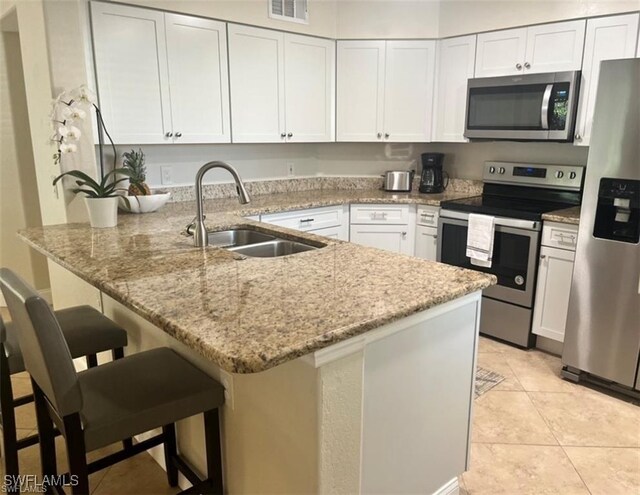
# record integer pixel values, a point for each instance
(492, 170)
(502, 170)
(559, 174)
(572, 175)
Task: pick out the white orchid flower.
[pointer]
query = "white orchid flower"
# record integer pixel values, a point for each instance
(73, 112)
(69, 132)
(83, 95)
(66, 148)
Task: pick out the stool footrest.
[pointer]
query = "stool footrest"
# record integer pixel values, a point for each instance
(135, 449)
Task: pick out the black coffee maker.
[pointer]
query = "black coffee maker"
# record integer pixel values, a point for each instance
(433, 177)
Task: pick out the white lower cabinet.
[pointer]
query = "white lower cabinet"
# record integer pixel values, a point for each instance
(555, 270)
(330, 221)
(427, 232)
(388, 227)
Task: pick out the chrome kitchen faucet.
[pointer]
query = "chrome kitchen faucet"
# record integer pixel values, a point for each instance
(200, 238)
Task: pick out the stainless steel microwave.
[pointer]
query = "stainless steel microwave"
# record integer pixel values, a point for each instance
(535, 107)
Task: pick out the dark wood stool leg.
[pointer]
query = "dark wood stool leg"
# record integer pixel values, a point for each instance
(77, 455)
(213, 448)
(8, 420)
(46, 433)
(118, 353)
(92, 360)
(170, 452)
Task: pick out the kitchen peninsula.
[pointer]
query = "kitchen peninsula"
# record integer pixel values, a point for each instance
(347, 369)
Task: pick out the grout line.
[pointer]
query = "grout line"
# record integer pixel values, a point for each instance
(575, 469)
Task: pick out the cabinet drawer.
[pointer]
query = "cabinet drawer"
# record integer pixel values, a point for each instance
(380, 214)
(312, 219)
(428, 216)
(560, 235)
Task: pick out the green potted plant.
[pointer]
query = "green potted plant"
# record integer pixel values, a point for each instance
(101, 196)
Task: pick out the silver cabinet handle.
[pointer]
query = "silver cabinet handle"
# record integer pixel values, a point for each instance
(290, 134)
(379, 135)
(386, 135)
(543, 256)
(178, 134)
(168, 134)
(527, 65)
(282, 135)
(519, 66)
(306, 220)
(404, 234)
(578, 136)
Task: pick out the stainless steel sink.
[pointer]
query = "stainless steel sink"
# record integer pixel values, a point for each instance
(237, 237)
(272, 249)
(258, 244)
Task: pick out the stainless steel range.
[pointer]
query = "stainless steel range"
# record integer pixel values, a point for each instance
(517, 195)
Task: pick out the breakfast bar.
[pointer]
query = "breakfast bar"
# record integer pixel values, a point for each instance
(347, 369)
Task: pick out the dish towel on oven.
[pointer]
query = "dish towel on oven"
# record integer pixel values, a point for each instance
(480, 239)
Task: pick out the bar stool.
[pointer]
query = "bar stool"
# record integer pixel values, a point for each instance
(87, 332)
(111, 402)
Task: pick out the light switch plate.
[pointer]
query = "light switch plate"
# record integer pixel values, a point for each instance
(166, 175)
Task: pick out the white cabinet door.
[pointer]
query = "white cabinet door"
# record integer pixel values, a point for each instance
(456, 64)
(554, 47)
(132, 75)
(360, 90)
(501, 53)
(552, 295)
(199, 80)
(395, 238)
(408, 96)
(426, 242)
(607, 38)
(256, 72)
(309, 88)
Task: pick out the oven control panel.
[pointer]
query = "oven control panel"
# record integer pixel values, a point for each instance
(525, 174)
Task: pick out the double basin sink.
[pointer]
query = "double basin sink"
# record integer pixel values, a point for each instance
(257, 244)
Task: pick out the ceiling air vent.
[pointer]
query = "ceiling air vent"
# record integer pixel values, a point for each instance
(289, 10)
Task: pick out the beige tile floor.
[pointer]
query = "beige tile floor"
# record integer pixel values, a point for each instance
(535, 433)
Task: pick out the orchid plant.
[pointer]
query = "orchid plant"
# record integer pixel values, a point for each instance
(69, 109)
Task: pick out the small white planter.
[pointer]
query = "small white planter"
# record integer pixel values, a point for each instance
(103, 212)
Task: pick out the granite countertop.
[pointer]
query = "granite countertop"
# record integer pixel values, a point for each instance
(568, 215)
(250, 314)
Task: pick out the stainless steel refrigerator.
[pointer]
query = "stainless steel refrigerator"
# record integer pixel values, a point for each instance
(602, 338)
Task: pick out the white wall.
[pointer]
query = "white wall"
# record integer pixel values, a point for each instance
(19, 206)
(471, 16)
(387, 19)
(322, 13)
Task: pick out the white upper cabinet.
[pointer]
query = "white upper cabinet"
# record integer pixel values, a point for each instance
(256, 70)
(360, 89)
(456, 64)
(408, 95)
(607, 38)
(132, 76)
(545, 48)
(282, 86)
(501, 53)
(385, 90)
(199, 105)
(554, 47)
(309, 88)
(162, 78)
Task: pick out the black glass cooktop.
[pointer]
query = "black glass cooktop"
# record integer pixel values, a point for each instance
(526, 209)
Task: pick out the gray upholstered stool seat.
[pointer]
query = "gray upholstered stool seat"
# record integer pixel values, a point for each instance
(86, 330)
(142, 392)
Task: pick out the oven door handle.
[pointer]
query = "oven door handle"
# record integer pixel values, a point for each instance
(544, 109)
(498, 221)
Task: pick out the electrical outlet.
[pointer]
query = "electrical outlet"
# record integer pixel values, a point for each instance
(291, 169)
(167, 175)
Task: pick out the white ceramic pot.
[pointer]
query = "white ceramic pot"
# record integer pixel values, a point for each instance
(103, 212)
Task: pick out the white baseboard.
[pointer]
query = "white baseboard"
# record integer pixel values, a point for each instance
(450, 488)
(45, 293)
